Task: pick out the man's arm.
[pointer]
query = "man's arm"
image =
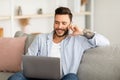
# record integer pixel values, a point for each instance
(88, 34)
(94, 39)
(99, 40)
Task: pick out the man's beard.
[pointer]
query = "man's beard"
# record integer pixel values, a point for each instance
(64, 34)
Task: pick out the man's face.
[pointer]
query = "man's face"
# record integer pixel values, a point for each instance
(61, 24)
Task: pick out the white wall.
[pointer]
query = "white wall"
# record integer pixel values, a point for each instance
(107, 19)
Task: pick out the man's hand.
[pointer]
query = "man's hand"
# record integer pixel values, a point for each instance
(75, 30)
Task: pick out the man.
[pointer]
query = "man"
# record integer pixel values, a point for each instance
(68, 47)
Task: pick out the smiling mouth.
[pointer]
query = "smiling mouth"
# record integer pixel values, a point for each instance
(60, 30)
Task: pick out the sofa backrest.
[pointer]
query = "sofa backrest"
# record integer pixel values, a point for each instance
(29, 39)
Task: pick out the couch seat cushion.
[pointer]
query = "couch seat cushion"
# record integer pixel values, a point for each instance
(5, 75)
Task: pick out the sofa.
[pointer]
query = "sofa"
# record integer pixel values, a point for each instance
(101, 63)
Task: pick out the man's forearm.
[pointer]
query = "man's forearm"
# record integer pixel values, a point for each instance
(88, 34)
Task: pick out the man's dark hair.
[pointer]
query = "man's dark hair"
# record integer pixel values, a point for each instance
(63, 10)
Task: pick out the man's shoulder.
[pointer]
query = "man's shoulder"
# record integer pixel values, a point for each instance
(43, 35)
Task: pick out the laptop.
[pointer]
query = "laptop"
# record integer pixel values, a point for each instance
(41, 67)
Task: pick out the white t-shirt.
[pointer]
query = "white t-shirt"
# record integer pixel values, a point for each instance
(55, 52)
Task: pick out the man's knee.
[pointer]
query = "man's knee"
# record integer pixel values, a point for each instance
(70, 76)
(17, 76)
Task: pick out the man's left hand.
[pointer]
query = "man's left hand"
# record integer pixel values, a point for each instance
(75, 30)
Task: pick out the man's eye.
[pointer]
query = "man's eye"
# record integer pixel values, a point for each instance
(64, 23)
(56, 22)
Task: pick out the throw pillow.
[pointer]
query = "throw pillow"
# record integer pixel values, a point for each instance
(11, 51)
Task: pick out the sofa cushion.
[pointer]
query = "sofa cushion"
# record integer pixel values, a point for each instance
(29, 40)
(101, 63)
(5, 75)
(11, 50)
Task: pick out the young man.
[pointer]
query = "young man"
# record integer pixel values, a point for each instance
(68, 47)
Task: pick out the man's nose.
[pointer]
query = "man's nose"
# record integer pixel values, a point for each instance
(60, 26)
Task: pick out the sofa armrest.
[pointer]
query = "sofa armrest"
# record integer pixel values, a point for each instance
(101, 63)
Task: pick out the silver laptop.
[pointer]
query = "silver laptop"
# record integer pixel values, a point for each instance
(41, 67)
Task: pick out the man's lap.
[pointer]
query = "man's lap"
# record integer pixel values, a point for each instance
(20, 76)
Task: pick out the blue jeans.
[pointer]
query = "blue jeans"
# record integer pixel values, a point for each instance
(20, 76)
